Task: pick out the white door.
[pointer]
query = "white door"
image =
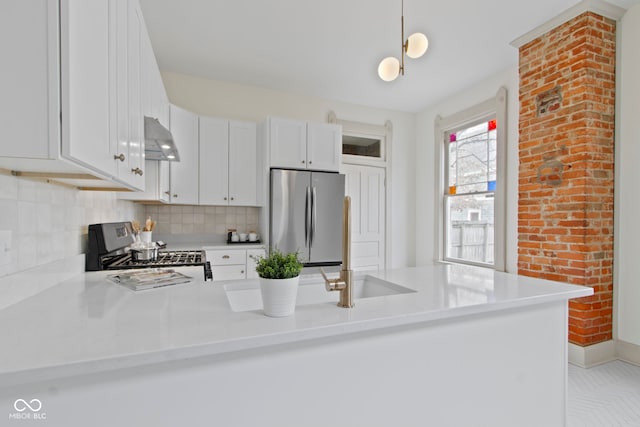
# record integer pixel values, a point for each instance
(366, 186)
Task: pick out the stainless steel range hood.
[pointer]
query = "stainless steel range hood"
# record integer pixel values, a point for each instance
(158, 141)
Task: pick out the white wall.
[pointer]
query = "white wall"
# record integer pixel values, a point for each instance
(222, 99)
(426, 159)
(627, 230)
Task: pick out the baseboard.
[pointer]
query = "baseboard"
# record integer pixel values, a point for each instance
(595, 354)
(628, 352)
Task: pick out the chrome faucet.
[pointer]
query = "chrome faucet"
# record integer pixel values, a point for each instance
(343, 284)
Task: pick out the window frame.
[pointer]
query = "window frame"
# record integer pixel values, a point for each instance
(484, 111)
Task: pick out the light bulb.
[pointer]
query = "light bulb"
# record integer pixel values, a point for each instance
(417, 45)
(389, 68)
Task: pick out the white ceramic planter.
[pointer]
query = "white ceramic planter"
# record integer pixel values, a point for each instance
(279, 296)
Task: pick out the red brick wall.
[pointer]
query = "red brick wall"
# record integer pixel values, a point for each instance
(565, 203)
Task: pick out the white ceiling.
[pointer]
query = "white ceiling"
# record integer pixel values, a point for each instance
(331, 48)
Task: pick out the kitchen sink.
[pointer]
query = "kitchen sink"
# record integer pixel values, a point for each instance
(245, 295)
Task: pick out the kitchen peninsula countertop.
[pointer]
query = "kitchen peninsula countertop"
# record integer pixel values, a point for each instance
(88, 324)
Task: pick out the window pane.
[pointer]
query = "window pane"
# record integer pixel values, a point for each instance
(360, 146)
(453, 149)
(470, 228)
(472, 158)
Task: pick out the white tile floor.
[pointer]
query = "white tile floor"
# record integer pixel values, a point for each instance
(607, 395)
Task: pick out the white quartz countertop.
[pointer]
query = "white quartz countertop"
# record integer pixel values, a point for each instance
(88, 324)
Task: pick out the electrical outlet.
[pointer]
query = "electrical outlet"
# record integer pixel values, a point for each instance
(5, 247)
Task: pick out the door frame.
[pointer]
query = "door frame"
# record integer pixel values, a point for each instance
(385, 133)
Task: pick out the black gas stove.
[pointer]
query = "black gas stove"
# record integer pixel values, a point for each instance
(108, 244)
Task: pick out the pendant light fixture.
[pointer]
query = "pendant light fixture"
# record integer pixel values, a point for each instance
(414, 47)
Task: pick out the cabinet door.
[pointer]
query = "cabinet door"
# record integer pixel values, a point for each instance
(214, 158)
(324, 146)
(134, 174)
(243, 165)
(29, 79)
(251, 262)
(164, 188)
(184, 174)
(229, 272)
(85, 84)
(287, 143)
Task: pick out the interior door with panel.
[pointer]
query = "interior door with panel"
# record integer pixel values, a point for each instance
(366, 186)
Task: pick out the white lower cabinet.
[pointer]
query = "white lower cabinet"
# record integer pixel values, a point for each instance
(252, 254)
(233, 264)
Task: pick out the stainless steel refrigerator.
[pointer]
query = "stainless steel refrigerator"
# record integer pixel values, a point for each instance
(306, 215)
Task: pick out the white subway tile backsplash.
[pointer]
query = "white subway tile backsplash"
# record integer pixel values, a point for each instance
(203, 219)
(49, 222)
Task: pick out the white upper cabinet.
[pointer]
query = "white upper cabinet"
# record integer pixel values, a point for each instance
(86, 83)
(228, 162)
(301, 145)
(29, 80)
(214, 161)
(71, 90)
(243, 189)
(324, 146)
(288, 143)
(184, 174)
(127, 134)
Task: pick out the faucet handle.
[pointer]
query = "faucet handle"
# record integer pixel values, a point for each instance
(332, 284)
(324, 275)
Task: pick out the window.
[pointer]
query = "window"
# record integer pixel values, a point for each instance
(362, 146)
(470, 193)
(472, 216)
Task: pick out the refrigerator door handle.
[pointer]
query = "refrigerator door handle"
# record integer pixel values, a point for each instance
(307, 217)
(314, 213)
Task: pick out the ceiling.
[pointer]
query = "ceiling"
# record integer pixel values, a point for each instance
(331, 48)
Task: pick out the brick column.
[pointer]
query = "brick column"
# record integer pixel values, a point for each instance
(565, 200)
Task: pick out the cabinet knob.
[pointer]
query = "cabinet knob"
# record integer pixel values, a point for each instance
(168, 193)
(242, 271)
(137, 171)
(225, 198)
(120, 157)
(232, 198)
(225, 256)
(310, 162)
(175, 196)
(303, 161)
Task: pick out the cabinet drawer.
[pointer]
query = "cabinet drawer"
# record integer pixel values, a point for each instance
(226, 257)
(228, 272)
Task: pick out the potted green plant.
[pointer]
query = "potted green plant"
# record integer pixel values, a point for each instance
(279, 275)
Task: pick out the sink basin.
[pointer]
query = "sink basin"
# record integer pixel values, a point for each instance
(245, 296)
